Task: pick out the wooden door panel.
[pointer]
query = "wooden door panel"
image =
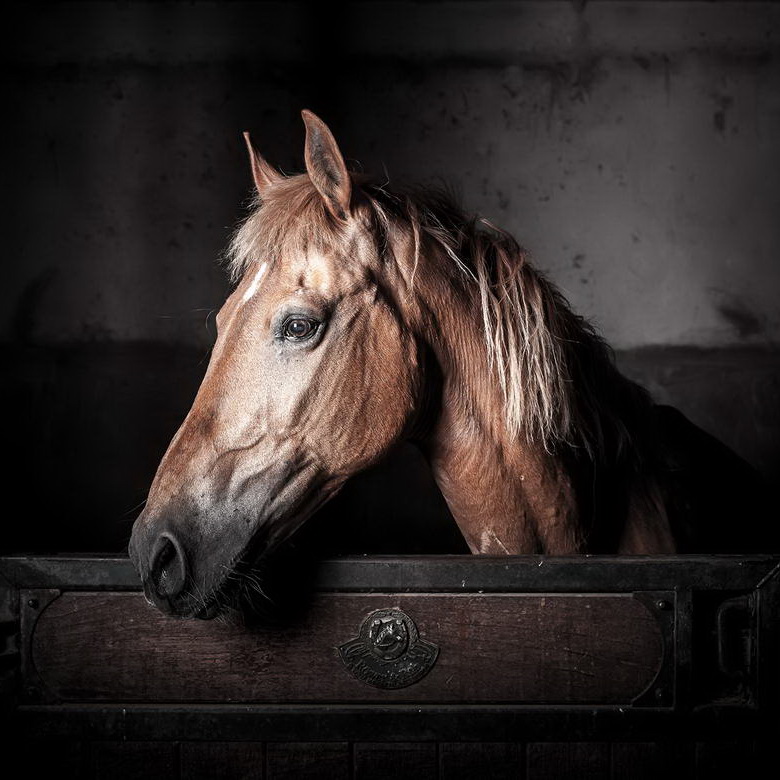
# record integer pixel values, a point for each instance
(553, 648)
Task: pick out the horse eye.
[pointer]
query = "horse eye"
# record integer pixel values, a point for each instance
(299, 328)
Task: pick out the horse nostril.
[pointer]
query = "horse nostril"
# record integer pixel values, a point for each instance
(168, 570)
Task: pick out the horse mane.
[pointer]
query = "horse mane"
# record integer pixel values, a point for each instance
(558, 377)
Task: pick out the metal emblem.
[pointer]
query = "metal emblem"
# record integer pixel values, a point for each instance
(388, 653)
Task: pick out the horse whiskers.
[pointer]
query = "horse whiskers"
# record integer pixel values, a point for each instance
(192, 596)
(252, 588)
(199, 596)
(252, 578)
(246, 586)
(133, 509)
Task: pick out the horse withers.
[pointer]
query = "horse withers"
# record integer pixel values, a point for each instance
(362, 318)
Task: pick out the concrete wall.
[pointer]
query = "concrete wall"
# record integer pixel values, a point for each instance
(633, 147)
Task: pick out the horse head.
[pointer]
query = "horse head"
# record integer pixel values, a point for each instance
(314, 376)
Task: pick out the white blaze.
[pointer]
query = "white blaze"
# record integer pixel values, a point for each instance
(252, 289)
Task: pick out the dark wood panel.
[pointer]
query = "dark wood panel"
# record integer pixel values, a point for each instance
(308, 761)
(134, 760)
(223, 760)
(652, 760)
(496, 648)
(489, 760)
(60, 758)
(116, 760)
(736, 758)
(386, 761)
(568, 761)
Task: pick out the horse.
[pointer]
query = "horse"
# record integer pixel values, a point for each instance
(362, 317)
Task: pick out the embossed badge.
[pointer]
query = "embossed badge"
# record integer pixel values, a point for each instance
(389, 653)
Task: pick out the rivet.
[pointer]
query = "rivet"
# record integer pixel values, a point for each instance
(662, 604)
(33, 603)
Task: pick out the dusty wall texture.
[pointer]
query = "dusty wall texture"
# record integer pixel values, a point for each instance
(633, 147)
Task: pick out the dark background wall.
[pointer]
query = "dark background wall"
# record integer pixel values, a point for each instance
(633, 147)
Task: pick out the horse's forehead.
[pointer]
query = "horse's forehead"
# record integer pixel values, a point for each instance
(320, 271)
(325, 273)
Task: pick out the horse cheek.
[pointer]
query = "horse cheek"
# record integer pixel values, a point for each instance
(391, 402)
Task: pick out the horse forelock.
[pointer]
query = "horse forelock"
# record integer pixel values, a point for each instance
(289, 221)
(556, 374)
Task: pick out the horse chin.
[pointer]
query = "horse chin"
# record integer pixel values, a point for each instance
(230, 598)
(241, 590)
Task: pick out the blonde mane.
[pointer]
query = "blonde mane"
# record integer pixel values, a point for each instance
(557, 376)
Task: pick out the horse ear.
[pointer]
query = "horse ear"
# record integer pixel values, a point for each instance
(325, 166)
(264, 174)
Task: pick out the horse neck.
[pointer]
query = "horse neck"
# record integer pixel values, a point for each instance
(508, 494)
(506, 500)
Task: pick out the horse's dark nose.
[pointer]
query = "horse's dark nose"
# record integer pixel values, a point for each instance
(167, 569)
